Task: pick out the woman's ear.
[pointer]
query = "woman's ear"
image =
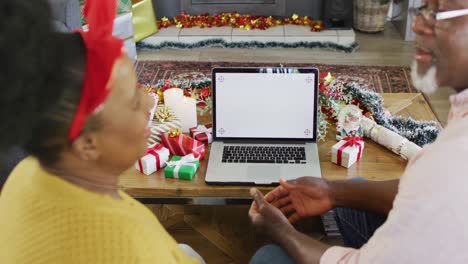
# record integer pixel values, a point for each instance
(85, 147)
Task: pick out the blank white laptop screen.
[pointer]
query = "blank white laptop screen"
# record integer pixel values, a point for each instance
(265, 105)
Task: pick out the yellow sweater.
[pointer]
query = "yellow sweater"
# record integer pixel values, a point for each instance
(44, 219)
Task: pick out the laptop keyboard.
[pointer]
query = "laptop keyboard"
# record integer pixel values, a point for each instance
(264, 154)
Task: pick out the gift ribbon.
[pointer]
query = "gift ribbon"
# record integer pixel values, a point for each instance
(350, 142)
(184, 161)
(204, 130)
(180, 145)
(152, 151)
(163, 114)
(174, 132)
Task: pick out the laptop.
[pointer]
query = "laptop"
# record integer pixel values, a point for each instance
(264, 125)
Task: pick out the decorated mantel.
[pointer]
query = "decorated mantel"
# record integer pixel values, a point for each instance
(236, 30)
(346, 104)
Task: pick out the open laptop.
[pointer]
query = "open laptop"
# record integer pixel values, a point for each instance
(264, 125)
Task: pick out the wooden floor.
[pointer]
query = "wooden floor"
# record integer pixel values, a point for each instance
(222, 234)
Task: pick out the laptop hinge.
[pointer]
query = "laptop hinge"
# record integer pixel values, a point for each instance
(264, 141)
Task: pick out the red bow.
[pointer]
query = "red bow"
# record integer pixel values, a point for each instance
(102, 50)
(152, 151)
(350, 142)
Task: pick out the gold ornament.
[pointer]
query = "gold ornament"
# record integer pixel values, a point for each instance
(160, 94)
(163, 115)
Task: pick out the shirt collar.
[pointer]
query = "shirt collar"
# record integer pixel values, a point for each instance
(459, 105)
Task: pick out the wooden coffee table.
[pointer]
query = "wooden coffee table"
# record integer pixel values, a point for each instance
(377, 163)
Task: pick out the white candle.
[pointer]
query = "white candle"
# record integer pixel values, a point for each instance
(186, 111)
(172, 98)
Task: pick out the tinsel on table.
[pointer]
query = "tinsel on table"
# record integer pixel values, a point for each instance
(221, 43)
(237, 20)
(338, 92)
(419, 132)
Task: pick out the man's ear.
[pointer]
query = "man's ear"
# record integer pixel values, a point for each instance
(85, 147)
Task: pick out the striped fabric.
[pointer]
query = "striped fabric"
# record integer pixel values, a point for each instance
(158, 128)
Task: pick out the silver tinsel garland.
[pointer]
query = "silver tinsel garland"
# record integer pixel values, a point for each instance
(418, 132)
(221, 43)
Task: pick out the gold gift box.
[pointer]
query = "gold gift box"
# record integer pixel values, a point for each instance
(144, 19)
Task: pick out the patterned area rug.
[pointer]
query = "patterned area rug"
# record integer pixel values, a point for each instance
(381, 79)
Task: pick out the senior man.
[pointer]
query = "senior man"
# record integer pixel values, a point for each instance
(422, 216)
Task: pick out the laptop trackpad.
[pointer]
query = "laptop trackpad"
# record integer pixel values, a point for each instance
(264, 174)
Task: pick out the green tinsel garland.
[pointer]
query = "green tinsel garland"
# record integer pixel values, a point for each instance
(221, 43)
(418, 132)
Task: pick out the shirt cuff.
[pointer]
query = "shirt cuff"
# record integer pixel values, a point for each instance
(337, 254)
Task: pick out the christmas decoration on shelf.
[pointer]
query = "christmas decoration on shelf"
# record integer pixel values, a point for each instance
(236, 20)
(221, 43)
(347, 151)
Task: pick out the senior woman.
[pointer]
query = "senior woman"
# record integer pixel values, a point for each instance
(62, 204)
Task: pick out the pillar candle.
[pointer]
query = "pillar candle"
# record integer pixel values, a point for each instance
(187, 112)
(173, 97)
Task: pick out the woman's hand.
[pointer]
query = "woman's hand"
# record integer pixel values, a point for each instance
(268, 219)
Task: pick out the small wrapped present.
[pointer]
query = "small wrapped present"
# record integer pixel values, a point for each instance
(182, 145)
(347, 151)
(154, 159)
(202, 133)
(183, 168)
(144, 20)
(163, 121)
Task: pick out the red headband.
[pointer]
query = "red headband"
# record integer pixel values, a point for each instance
(102, 50)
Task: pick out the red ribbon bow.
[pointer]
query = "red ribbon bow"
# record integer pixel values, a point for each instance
(350, 142)
(152, 151)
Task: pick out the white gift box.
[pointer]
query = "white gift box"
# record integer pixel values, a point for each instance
(123, 28)
(130, 48)
(349, 154)
(148, 164)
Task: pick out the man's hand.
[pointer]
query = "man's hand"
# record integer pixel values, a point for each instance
(270, 221)
(302, 197)
(266, 218)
